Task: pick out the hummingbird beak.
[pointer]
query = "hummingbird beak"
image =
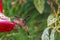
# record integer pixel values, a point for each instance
(15, 17)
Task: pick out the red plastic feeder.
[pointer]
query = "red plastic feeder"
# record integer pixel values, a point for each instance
(5, 25)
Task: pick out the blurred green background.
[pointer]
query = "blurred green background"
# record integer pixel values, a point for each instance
(35, 20)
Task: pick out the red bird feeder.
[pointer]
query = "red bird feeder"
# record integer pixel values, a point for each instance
(5, 24)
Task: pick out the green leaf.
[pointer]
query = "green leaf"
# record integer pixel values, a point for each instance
(39, 4)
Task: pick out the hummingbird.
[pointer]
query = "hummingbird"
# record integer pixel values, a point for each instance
(21, 22)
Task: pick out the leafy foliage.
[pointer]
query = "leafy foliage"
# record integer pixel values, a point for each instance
(35, 20)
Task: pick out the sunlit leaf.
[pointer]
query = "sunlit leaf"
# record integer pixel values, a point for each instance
(39, 4)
